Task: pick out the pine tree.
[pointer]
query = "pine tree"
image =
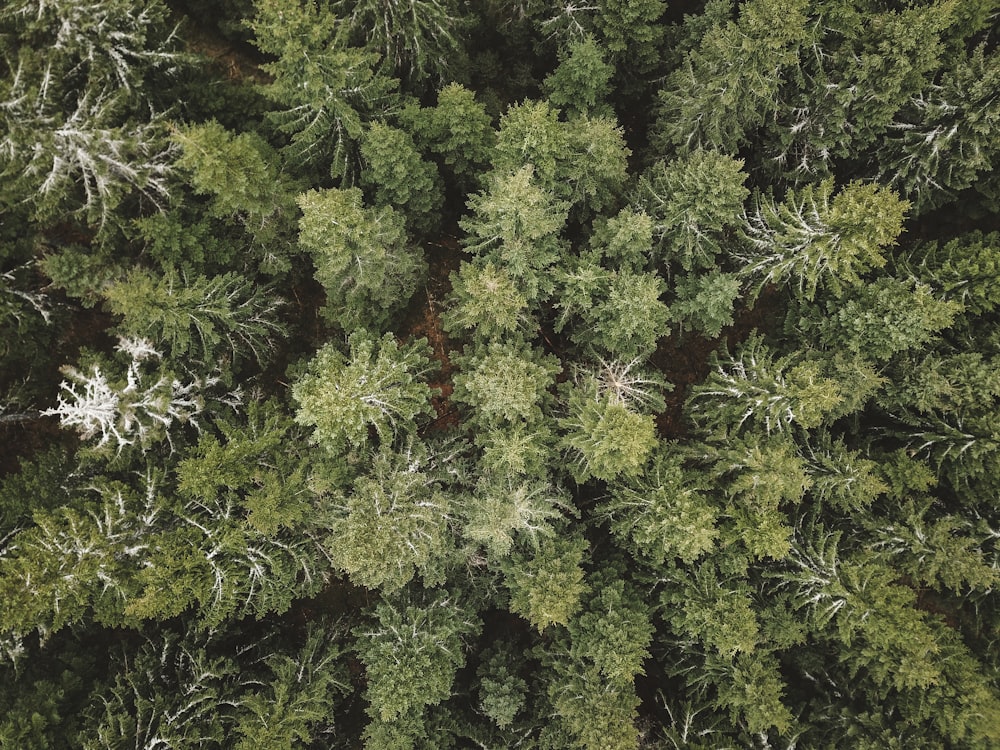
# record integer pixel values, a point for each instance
(693, 200)
(378, 387)
(201, 317)
(881, 320)
(412, 651)
(397, 176)
(325, 89)
(815, 239)
(581, 83)
(122, 405)
(458, 132)
(753, 387)
(663, 514)
(516, 224)
(418, 39)
(604, 436)
(945, 136)
(729, 83)
(487, 302)
(361, 255)
(547, 583)
(84, 160)
(394, 521)
(503, 384)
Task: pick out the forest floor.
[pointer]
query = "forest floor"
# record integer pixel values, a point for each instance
(423, 320)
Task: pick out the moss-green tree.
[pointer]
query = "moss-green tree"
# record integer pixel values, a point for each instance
(361, 254)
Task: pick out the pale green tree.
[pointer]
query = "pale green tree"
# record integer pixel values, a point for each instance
(516, 223)
(705, 302)
(377, 388)
(604, 437)
(663, 514)
(487, 302)
(506, 510)
(621, 313)
(583, 161)
(546, 584)
(361, 254)
(501, 383)
(753, 386)
(393, 521)
(239, 172)
(625, 240)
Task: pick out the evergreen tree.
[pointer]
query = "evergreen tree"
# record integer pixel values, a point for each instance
(361, 256)
(207, 318)
(945, 136)
(412, 651)
(325, 89)
(122, 405)
(815, 239)
(377, 388)
(458, 132)
(417, 38)
(394, 521)
(692, 201)
(398, 177)
(580, 84)
(728, 84)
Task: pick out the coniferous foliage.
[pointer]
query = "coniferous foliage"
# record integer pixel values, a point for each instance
(426, 374)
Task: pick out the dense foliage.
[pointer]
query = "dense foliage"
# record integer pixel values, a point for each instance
(438, 374)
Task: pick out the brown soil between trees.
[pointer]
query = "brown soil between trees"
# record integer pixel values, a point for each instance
(422, 319)
(231, 59)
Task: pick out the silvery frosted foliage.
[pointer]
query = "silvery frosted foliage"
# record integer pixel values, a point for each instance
(111, 42)
(85, 159)
(417, 38)
(136, 409)
(77, 129)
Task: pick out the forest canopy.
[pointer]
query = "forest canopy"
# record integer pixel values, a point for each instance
(428, 374)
